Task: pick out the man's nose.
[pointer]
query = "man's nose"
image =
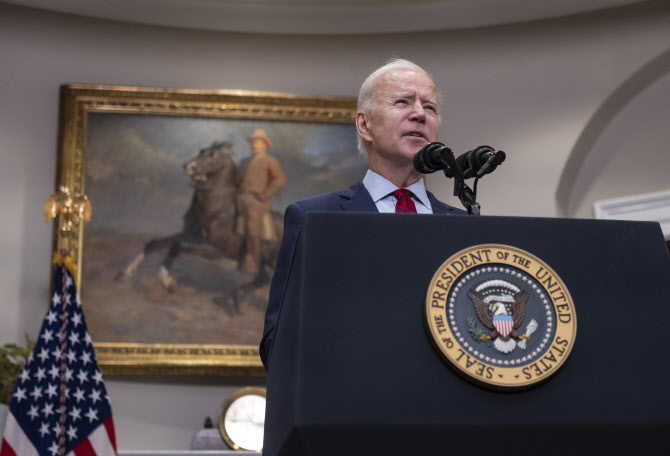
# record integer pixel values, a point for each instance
(418, 112)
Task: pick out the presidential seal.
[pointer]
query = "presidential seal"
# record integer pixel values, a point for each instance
(500, 316)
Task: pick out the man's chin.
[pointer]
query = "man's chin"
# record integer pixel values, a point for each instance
(415, 143)
(412, 149)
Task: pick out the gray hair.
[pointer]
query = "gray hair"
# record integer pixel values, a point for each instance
(367, 94)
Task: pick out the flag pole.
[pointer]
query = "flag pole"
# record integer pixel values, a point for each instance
(71, 212)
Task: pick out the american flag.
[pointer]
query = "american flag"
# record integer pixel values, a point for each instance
(60, 405)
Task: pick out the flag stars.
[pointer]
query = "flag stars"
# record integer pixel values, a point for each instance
(47, 335)
(40, 374)
(79, 395)
(44, 429)
(92, 415)
(24, 376)
(56, 354)
(75, 414)
(47, 410)
(44, 354)
(76, 319)
(63, 365)
(82, 376)
(72, 432)
(85, 358)
(94, 396)
(19, 394)
(53, 372)
(51, 317)
(36, 393)
(33, 412)
(53, 449)
(97, 377)
(74, 338)
(52, 390)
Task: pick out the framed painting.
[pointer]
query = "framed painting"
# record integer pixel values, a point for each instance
(188, 190)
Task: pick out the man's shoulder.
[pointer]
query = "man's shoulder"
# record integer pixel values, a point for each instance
(330, 200)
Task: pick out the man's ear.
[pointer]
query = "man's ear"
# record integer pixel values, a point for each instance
(363, 126)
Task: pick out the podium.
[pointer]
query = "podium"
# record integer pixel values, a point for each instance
(353, 370)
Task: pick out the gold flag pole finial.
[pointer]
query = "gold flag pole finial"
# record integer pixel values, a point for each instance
(72, 211)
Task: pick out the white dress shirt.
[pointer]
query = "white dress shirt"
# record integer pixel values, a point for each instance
(380, 187)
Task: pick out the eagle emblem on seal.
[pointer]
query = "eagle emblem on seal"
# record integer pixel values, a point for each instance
(501, 307)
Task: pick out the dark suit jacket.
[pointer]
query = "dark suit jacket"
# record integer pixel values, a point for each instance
(354, 199)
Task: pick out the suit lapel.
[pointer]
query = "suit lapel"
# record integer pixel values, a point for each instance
(357, 199)
(439, 207)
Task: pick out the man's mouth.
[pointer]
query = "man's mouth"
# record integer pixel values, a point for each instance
(415, 134)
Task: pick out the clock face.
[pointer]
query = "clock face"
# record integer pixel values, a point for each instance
(243, 419)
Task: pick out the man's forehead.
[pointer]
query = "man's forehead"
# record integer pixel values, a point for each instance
(405, 82)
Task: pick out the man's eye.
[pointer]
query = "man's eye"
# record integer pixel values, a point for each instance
(401, 101)
(431, 107)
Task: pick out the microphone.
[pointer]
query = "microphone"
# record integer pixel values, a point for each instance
(435, 157)
(480, 161)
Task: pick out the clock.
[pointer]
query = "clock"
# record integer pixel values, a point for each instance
(242, 419)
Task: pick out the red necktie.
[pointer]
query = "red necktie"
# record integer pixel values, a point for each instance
(405, 205)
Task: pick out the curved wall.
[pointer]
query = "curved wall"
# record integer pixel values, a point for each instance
(623, 149)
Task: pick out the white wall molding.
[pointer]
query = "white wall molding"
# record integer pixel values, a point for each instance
(647, 207)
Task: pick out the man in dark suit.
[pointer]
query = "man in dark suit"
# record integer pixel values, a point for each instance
(398, 114)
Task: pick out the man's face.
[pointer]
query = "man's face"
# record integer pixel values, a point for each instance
(258, 146)
(405, 117)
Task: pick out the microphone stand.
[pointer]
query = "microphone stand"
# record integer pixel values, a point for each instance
(466, 195)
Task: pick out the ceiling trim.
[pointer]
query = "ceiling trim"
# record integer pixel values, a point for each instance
(323, 16)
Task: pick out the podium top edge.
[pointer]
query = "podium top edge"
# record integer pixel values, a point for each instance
(330, 214)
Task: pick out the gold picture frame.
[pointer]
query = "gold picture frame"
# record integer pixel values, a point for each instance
(86, 109)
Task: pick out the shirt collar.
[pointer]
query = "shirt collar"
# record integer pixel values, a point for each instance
(379, 187)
